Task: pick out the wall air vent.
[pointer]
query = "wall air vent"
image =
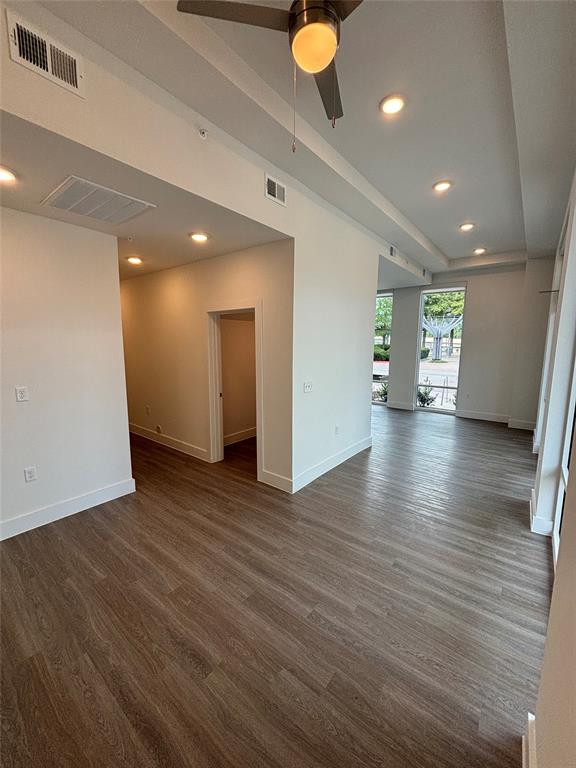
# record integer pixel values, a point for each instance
(40, 53)
(392, 251)
(88, 199)
(274, 190)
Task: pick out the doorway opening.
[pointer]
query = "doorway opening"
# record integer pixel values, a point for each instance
(441, 314)
(382, 343)
(238, 361)
(235, 386)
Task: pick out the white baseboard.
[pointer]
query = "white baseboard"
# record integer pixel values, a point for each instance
(482, 415)
(276, 481)
(519, 424)
(44, 515)
(237, 437)
(171, 442)
(306, 477)
(529, 756)
(538, 524)
(401, 406)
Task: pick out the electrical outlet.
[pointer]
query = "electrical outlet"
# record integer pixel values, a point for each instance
(158, 429)
(307, 386)
(337, 429)
(22, 395)
(148, 409)
(30, 474)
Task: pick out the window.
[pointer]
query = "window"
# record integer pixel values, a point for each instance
(442, 313)
(568, 437)
(382, 341)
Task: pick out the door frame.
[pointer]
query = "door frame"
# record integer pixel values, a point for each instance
(215, 410)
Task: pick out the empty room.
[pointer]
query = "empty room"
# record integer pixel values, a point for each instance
(288, 328)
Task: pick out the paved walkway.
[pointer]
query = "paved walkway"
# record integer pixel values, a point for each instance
(439, 374)
(443, 373)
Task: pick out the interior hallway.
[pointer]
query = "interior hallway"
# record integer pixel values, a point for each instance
(390, 614)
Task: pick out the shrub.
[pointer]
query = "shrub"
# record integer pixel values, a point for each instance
(424, 353)
(381, 393)
(378, 352)
(425, 396)
(382, 352)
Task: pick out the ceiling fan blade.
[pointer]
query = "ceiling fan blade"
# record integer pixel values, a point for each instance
(243, 13)
(345, 7)
(327, 82)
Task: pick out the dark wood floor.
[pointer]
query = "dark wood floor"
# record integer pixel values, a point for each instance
(391, 614)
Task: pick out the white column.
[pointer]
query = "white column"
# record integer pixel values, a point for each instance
(405, 348)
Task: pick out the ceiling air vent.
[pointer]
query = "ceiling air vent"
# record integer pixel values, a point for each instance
(40, 53)
(88, 199)
(275, 191)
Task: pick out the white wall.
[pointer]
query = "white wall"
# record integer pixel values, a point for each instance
(238, 345)
(556, 708)
(335, 259)
(335, 278)
(62, 339)
(492, 313)
(504, 329)
(165, 321)
(530, 341)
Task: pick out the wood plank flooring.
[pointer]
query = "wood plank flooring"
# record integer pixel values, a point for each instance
(391, 614)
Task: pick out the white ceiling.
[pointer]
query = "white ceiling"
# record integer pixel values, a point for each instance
(160, 236)
(451, 60)
(490, 104)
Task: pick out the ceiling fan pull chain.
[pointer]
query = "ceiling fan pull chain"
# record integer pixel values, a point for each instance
(294, 104)
(334, 95)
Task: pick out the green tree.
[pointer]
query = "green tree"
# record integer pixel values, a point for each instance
(445, 304)
(383, 322)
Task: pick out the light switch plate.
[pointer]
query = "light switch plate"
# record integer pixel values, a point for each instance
(30, 474)
(22, 395)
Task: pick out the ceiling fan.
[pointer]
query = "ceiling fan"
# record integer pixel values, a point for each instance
(313, 27)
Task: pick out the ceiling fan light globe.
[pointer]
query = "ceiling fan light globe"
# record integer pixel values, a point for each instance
(314, 46)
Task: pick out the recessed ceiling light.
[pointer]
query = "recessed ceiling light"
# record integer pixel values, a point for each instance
(6, 175)
(134, 260)
(467, 226)
(391, 105)
(479, 251)
(199, 237)
(442, 186)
